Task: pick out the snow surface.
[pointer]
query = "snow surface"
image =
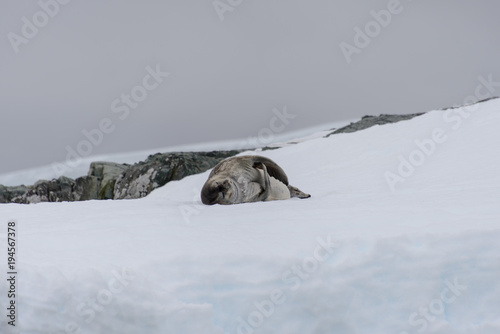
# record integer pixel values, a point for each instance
(357, 257)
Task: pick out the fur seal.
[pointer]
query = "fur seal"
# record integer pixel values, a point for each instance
(249, 178)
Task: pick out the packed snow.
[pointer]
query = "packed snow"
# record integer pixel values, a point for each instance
(400, 236)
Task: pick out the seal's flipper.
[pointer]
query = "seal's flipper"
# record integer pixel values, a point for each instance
(272, 168)
(265, 183)
(296, 192)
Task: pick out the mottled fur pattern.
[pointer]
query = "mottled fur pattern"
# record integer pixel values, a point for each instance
(249, 178)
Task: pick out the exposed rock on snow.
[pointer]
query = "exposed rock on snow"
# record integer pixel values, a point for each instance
(98, 184)
(158, 169)
(7, 194)
(56, 190)
(369, 121)
(109, 180)
(102, 176)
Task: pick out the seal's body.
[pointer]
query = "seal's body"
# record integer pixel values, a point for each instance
(249, 178)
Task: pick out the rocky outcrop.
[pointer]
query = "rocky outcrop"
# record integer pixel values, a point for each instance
(470, 104)
(109, 180)
(143, 177)
(56, 190)
(100, 181)
(98, 184)
(7, 194)
(369, 121)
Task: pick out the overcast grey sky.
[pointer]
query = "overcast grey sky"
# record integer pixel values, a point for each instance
(225, 76)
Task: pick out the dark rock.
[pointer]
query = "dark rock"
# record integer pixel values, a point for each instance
(270, 148)
(7, 194)
(55, 190)
(105, 174)
(158, 169)
(99, 182)
(470, 104)
(369, 121)
(86, 188)
(106, 170)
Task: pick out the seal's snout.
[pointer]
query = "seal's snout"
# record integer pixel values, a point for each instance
(216, 192)
(209, 194)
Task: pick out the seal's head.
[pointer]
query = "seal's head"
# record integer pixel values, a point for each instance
(219, 191)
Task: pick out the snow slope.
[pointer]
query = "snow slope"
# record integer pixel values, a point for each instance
(359, 256)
